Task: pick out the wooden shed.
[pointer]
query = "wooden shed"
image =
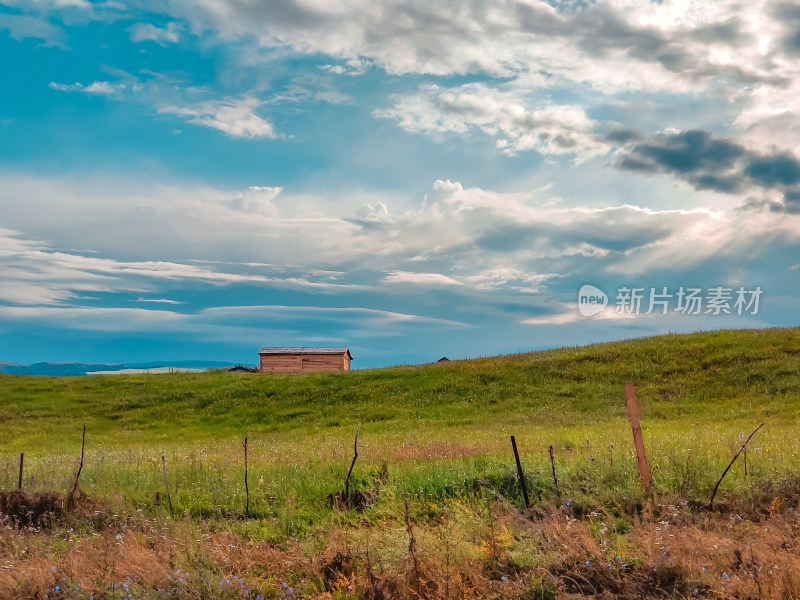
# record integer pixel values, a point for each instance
(304, 360)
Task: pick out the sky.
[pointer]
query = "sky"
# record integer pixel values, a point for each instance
(196, 179)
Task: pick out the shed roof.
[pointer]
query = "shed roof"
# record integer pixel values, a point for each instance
(304, 350)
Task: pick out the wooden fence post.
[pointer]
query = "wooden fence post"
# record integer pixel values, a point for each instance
(21, 462)
(634, 416)
(80, 467)
(166, 485)
(553, 468)
(520, 473)
(246, 488)
(352, 464)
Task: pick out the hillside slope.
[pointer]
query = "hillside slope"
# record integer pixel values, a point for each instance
(434, 466)
(708, 377)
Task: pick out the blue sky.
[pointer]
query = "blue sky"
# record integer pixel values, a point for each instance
(197, 179)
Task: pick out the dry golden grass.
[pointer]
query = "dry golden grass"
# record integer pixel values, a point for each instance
(489, 550)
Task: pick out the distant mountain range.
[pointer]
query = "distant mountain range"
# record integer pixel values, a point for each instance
(76, 368)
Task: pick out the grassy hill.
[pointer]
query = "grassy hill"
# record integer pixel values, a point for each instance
(713, 377)
(441, 429)
(700, 393)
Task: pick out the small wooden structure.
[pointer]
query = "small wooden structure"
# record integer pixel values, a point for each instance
(304, 360)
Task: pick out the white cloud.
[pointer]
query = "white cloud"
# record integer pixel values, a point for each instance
(420, 278)
(101, 88)
(21, 27)
(548, 63)
(547, 129)
(35, 274)
(571, 315)
(619, 44)
(257, 199)
(236, 118)
(511, 278)
(471, 240)
(96, 318)
(158, 300)
(49, 4)
(242, 324)
(328, 313)
(142, 32)
(352, 66)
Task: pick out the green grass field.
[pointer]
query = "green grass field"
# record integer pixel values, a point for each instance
(432, 424)
(442, 430)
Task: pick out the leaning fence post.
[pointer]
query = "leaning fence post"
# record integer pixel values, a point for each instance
(553, 468)
(520, 473)
(166, 485)
(725, 472)
(634, 416)
(21, 462)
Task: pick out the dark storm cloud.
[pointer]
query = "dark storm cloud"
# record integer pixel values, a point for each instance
(718, 164)
(776, 170)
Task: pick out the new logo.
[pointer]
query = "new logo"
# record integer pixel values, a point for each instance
(591, 300)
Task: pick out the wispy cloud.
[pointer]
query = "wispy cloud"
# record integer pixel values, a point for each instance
(143, 32)
(21, 27)
(419, 278)
(158, 300)
(96, 87)
(236, 118)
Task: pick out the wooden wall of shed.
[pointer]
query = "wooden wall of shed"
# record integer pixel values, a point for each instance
(304, 363)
